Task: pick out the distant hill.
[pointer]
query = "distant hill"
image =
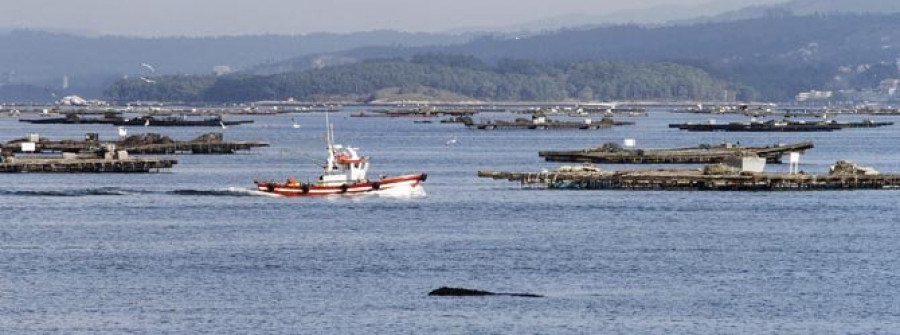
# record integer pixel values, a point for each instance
(801, 8)
(806, 7)
(773, 57)
(92, 63)
(439, 77)
(680, 14)
(654, 15)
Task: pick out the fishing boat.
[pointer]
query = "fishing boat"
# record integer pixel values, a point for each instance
(344, 174)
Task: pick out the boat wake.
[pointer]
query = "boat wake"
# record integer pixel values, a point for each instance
(106, 191)
(396, 192)
(225, 192)
(402, 192)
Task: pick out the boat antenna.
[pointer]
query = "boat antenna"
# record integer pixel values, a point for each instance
(328, 130)
(329, 141)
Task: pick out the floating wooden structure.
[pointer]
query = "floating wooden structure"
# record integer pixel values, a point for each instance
(879, 111)
(748, 110)
(807, 115)
(75, 118)
(775, 126)
(206, 144)
(459, 119)
(614, 154)
(614, 110)
(149, 121)
(871, 111)
(586, 111)
(415, 113)
(789, 111)
(150, 143)
(621, 114)
(682, 179)
(117, 162)
(162, 110)
(862, 124)
(45, 165)
(543, 123)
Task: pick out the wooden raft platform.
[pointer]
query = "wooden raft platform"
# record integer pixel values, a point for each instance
(612, 154)
(149, 143)
(425, 113)
(196, 148)
(117, 120)
(45, 165)
(530, 124)
(694, 180)
(772, 126)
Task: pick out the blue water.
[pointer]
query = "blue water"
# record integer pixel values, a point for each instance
(189, 251)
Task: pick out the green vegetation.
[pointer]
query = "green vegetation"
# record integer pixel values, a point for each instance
(439, 75)
(168, 88)
(766, 58)
(771, 56)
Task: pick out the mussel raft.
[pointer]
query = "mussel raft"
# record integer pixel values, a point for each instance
(611, 153)
(844, 176)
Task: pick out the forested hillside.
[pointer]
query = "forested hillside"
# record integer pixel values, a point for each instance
(772, 57)
(463, 76)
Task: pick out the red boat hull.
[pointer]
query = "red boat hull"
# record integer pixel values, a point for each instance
(312, 190)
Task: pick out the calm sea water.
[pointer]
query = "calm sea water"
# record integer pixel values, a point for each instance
(190, 251)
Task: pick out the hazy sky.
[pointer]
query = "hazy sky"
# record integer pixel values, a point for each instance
(238, 17)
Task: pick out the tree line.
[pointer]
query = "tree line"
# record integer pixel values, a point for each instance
(772, 57)
(506, 80)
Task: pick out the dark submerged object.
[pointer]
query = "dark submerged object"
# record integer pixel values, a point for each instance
(465, 292)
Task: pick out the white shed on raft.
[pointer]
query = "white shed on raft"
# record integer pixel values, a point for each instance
(747, 163)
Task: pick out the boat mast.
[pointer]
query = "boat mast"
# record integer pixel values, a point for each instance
(328, 132)
(329, 141)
